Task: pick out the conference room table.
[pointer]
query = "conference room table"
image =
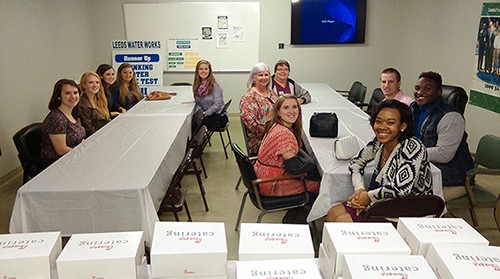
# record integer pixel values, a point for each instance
(116, 179)
(336, 184)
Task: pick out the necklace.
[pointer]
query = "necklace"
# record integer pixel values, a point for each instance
(261, 93)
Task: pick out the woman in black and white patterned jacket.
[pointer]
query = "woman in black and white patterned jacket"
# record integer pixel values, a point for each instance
(401, 160)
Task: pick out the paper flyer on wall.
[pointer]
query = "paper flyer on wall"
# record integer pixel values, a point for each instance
(182, 54)
(485, 87)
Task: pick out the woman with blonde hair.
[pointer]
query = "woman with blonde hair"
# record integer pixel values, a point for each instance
(93, 105)
(208, 96)
(125, 92)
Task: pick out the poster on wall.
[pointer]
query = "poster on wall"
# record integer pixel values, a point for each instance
(183, 54)
(485, 88)
(144, 56)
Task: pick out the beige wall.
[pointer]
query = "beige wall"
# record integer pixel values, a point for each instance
(43, 41)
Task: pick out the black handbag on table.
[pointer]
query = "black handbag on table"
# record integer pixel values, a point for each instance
(324, 125)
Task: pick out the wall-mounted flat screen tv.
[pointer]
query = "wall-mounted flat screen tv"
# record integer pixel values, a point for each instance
(328, 21)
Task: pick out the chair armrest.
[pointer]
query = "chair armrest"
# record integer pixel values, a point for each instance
(476, 171)
(279, 178)
(361, 105)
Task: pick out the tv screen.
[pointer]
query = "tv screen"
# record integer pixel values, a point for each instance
(328, 21)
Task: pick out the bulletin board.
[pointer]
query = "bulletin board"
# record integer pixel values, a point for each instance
(225, 33)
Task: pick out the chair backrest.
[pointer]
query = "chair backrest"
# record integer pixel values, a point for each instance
(412, 206)
(226, 106)
(488, 152)
(357, 93)
(28, 143)
(196, 122)
(246, 168)
(181, 83)
(245, 138)
(455, 96)
(199, 141)
(377, 97)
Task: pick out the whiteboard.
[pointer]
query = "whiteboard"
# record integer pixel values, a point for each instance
(232, 46)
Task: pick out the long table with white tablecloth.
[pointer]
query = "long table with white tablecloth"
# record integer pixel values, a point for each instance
(336, 184)
(114, 180)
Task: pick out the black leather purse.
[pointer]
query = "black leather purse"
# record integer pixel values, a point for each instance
(324, 125)
(302, 162)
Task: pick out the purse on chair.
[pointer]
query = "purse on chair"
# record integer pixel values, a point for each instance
(345, 148)
(324, 125)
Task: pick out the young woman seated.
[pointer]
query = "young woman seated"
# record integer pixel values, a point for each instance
(402, 165)
(208, 96)
(282, 141)
(61, 129)
(93, 105)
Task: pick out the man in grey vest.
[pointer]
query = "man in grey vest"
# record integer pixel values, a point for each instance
(442, 130)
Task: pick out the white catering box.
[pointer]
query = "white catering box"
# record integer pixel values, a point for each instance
(326, 263)
(287, 268)
(386, 266)
(340, 239)
(274, 241)
(420, 232)
(460, 261)
(117, 255)
(29, 255)
(189, 249)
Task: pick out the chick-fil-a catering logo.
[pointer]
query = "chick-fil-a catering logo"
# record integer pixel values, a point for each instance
(279, 237)
(191, 236)
(452, 229)
(9, 277)
(105, 245)
(365, 235)
(19, 244)
(401, 275)
(278, 273)
(479, 260)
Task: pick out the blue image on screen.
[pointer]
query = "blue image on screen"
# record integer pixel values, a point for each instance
(328, 21)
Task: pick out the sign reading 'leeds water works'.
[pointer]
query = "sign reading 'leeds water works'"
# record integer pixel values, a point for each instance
(144, 56)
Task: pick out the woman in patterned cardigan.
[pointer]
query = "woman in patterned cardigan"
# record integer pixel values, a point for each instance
(402, 165)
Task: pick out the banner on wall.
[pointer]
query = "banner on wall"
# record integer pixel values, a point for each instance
(145, 58)
(485, 88)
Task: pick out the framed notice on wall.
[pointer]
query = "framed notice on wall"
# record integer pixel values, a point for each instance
(225, 33)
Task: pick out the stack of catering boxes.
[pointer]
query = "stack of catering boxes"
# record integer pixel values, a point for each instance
(451, 247)
(103, 255)
(29, 255)
(189, 250)
(276, 251)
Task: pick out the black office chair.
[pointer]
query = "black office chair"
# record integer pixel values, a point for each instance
(356, 94)
(28, 143)
(221, 129)
(377, 97)
(455, 96)
(247, 145)
(265, 204)
(181, 83)
(411, 206)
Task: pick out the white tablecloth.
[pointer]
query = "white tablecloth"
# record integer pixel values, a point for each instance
(113, 181)
(336, 184)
